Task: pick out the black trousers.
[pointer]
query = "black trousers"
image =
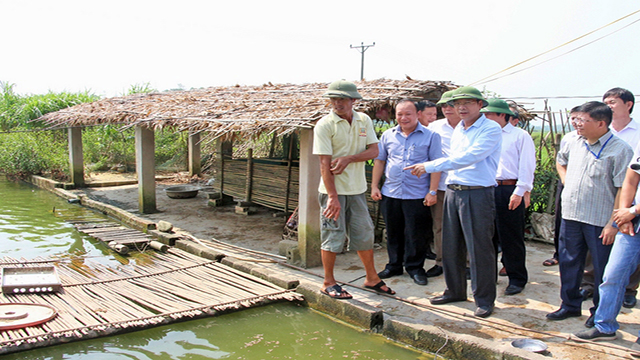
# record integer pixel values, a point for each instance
(468, 227)
(407, 222)
(509, 235)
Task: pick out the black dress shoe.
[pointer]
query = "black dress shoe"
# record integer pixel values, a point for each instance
(436, 270)
(483, 311)
(591, 321)
(629, 301)
(444, 299)
(562, 314)
(420, 279)
(513, 289)
(386, 273)
(586, 294)
(431, 255)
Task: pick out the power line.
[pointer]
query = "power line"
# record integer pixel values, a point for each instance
(563, 54)
(362, 48)
(557, 47)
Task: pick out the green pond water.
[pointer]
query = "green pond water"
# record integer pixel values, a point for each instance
(32, 224)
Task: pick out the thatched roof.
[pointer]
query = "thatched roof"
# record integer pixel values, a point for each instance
(246, 110)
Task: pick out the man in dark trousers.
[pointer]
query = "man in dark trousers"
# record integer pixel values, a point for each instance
(469, 205)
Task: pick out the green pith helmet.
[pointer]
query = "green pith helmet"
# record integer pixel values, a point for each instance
(446, 96)
(497, 106)
(342, 89)
(467, 92)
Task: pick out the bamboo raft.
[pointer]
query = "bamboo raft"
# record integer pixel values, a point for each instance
(98, 300)
(119, 238)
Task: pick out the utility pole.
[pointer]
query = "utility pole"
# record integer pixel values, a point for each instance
(362, 48)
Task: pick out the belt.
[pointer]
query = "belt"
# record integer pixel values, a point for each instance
(464, 187)
(507, 182)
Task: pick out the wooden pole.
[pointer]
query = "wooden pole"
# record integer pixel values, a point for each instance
(249, 186)
(289, 165)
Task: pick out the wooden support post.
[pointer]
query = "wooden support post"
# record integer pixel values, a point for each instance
(249, 184)
(225, 148)
(194, 154)
(145, 167)
(309, 209)
(289, 165)
(76, 157)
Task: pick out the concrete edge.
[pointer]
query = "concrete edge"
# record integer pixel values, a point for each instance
(452, 345)
(284, 281)
(352, 311)
(423, 337)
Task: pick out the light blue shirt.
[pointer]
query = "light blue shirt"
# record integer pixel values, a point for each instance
(400, 151)
(475, 153)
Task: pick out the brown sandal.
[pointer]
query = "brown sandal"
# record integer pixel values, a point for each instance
(550, 262)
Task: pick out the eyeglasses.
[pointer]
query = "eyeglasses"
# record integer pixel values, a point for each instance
(460, 103)
(582, 121)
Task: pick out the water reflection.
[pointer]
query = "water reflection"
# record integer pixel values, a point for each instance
(279, 331)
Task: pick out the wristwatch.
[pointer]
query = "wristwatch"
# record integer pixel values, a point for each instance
(433, 192)
(632, 210)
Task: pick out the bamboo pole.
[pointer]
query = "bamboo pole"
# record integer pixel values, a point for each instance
(249, 180)
(289, 168)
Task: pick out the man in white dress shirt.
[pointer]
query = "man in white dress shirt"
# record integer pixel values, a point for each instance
(444, 128)
(514, 177)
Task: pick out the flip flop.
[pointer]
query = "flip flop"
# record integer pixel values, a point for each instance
(378, 288)
(336, 292)
(550, 262)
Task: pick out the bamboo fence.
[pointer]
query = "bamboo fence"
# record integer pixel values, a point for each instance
(100, 301)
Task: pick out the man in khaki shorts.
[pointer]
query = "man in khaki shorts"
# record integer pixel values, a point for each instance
(345, 139)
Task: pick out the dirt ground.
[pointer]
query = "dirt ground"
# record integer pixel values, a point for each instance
(518, 316)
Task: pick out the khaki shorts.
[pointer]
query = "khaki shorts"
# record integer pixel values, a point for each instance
(353, 223)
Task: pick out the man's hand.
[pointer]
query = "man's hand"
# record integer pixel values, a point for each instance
(527, 199)
(627, 228)
(339, 164)
(430, 200)
(608, 234)
(416, 169)
(376, 194)
(332, 211)
(514, 201)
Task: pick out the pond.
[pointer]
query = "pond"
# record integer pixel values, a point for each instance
(32, 225)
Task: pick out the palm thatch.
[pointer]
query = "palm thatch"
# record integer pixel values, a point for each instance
(248, 111)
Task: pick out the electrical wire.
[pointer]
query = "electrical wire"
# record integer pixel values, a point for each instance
(563, 54)
(555, 48)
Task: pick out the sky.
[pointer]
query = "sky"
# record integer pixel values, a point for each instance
(105, 47)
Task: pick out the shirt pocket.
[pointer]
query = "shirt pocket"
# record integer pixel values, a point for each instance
(418, 153)
(600, 170)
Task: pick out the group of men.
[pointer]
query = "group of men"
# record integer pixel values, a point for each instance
(463, 182)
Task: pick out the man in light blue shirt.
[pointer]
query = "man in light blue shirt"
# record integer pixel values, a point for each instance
(469, 205)
(405, 197)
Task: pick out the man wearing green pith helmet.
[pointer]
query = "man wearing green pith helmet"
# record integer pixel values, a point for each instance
(345, 139)
(469, 205)
(515, 178)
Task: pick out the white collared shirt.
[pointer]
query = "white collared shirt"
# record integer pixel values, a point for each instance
(445, 130)
(630, 134)
(517, 159)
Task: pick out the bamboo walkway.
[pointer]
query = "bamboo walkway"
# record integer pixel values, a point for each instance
(98, 300)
